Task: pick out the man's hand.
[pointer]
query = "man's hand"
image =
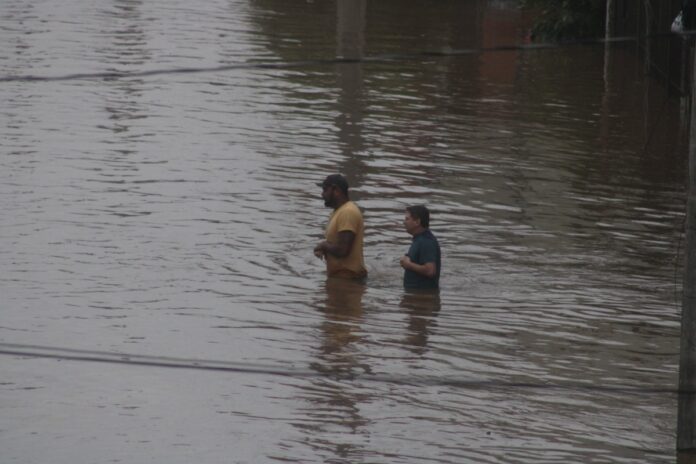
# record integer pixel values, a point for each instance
(428, 269)
(339, 250)
(320, 250)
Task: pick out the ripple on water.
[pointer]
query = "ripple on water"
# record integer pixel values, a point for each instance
(174, 216)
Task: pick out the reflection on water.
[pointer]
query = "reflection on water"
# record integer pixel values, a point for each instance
(174, 216)
(422, 308)
(331, 405)
(351, 100)
(344, 311)
(686, 458)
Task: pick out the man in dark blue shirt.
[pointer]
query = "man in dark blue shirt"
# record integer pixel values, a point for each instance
(422, 262)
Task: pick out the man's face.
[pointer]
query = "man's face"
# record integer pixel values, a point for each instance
(411, 223)
(327, 194)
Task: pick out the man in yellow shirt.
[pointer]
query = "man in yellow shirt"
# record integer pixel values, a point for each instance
(343, 247)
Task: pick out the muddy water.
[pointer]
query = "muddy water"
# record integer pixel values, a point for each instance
(160, 299)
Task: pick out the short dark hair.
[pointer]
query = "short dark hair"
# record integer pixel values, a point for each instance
(421, 213)
(337, 180)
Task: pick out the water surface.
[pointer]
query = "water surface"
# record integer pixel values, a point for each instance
(159, 288)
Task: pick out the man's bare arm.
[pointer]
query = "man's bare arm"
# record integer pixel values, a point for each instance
(341, 249)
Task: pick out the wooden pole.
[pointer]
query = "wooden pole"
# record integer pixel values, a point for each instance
(686, 421)
(608, 22)
(609, 19)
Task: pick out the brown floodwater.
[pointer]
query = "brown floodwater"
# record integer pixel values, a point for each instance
(160, 298)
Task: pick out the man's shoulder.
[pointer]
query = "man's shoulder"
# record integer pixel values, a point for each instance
(426, 236)
(347, 218)
(350, 208)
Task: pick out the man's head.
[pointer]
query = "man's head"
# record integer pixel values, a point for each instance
(417, 219)
(334, 190)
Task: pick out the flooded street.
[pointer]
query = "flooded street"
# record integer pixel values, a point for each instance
(160, 298)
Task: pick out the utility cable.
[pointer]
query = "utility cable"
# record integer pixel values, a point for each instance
(382, 58)
(66, 354)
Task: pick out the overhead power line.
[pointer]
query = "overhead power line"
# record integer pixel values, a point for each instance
(67, 354)
(382, 58)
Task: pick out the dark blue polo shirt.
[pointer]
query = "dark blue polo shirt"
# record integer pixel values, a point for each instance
(424, 249)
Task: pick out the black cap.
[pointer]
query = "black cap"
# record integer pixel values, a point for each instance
(337, 180)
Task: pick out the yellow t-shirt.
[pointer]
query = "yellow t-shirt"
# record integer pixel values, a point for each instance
(346, 218)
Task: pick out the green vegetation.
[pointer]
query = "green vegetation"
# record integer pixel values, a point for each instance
(566, 19)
